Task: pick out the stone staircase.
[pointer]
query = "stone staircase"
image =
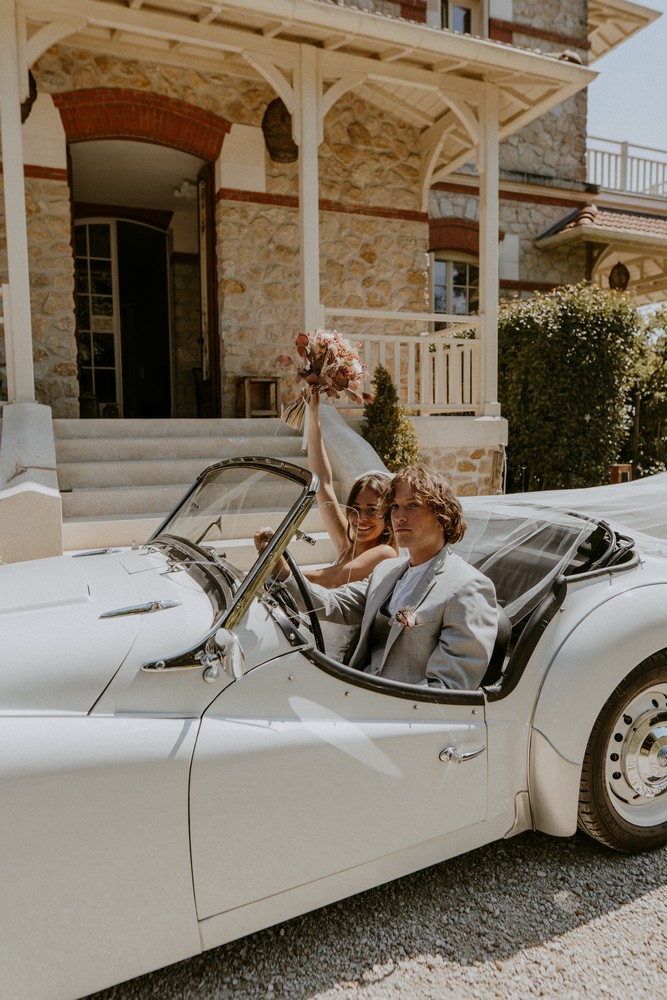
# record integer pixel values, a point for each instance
(120, 478)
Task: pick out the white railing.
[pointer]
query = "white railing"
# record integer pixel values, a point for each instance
(622, 166)
(434, 371)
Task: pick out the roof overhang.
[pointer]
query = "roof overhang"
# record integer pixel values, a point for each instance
(644, 254)
(612, 22)
(593, 234)
(435, 80)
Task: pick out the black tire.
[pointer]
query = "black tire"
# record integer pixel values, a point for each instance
(623, 794)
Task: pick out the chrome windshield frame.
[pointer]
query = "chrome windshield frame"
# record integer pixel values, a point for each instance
(205, 650)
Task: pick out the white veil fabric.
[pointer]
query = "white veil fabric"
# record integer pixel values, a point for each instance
(523, 541)
(640, 505)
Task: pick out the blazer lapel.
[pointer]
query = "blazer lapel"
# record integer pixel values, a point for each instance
(416, 598)
(375, 599)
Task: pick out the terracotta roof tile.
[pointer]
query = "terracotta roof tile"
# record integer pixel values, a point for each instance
(611, 220)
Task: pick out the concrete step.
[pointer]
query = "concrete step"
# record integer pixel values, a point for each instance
(148, 472)
(154, 499)
(119, 479)
(89, 449)
(176, 427)
(96, 502)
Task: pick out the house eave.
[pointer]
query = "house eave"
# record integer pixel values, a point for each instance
(593, 234)
(612, 22)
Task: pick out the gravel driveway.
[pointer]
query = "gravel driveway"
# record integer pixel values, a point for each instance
(529, 917)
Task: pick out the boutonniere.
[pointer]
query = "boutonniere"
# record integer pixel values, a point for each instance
(406, 617)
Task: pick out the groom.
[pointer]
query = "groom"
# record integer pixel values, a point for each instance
(430, 618)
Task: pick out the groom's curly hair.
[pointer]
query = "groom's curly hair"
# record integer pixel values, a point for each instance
(433, 490)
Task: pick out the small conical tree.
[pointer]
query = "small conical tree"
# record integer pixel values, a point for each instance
(386, 425)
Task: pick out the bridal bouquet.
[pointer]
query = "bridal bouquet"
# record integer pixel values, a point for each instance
(328, 364)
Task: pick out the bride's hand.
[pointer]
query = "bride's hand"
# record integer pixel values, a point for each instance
(261, 538)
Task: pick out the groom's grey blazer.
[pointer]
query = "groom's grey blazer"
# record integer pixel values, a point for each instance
(456, 621)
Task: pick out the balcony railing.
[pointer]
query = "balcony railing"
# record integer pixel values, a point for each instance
(435, 371)
(622, 166)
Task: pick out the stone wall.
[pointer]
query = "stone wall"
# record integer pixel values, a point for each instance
(469, 452)
(258, 271)
(527, 220)
(366, 263)
(557, 266)
(471, 472)
(236, 100)
(369, 158)
(554, 146)
(51, 294)
(374, 241)
(568, 19)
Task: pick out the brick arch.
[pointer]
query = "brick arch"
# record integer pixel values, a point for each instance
(119, 113)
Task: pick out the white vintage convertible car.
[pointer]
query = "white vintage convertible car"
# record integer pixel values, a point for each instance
(182, 763)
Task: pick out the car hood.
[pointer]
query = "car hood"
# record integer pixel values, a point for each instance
(64, 630)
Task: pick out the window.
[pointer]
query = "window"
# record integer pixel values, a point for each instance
(97, 330)
(455, 284)
(465, 17)
(457, 17)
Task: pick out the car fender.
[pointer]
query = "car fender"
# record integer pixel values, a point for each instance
(593, 658)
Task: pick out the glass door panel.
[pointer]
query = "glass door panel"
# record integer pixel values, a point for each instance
(98, 328)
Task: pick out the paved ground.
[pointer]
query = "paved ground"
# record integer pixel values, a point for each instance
(530, 917)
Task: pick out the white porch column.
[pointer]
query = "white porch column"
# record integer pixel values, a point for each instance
(489, 176)
(18, 327)
(308, 135)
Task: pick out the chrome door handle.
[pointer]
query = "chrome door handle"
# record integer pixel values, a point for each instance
(452, 754)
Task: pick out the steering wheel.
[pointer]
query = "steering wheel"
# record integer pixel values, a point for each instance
(289, 606)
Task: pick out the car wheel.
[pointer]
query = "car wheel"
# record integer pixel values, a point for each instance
(623, 795)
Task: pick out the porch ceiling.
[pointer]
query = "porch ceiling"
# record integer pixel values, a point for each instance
(611, 22)
(434, 79)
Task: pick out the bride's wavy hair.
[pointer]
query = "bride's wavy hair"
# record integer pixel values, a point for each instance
(379, 483)
(433, 490)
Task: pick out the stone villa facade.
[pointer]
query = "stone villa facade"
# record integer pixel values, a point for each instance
(171, 252)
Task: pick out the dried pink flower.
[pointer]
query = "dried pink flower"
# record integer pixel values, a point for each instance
(329, 364)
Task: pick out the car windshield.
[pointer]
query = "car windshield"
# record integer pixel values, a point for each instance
(211, 532)
(524, 547)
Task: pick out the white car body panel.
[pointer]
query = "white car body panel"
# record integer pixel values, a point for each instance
(597, 654)
(181, 692)
(43, 615)
(94, 867)
(281, 729)
(236, 923)
(179, 768)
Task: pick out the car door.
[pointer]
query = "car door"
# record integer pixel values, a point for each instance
(299, 774)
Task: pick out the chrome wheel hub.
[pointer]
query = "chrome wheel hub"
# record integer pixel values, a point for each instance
(636, 758)
(646, 763)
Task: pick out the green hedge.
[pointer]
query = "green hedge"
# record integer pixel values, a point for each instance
(566, 363)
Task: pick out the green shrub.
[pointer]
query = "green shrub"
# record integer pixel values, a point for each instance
(646, 444)
(566, 363)
(386, 425)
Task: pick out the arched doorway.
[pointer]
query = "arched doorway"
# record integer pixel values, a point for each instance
(141, 157)
(123, 319)
(141, 201)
